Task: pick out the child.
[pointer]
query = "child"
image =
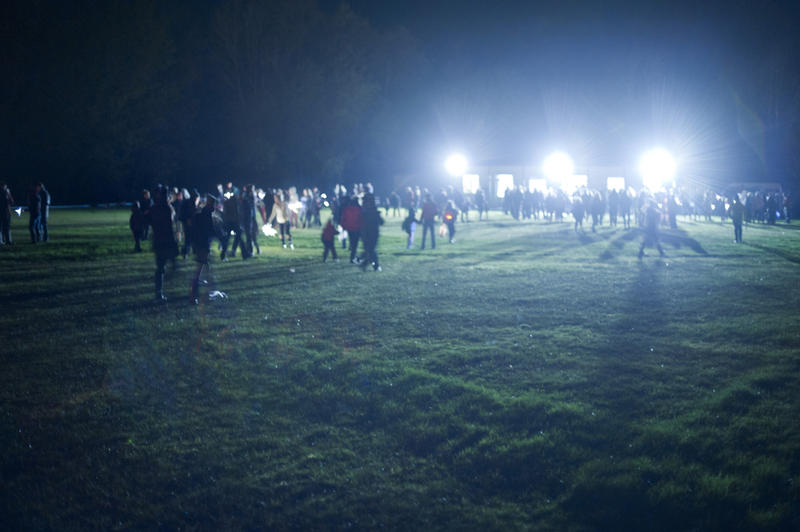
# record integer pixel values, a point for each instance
(450, 215)
(328, 234)
(410, 226)
(137, 226)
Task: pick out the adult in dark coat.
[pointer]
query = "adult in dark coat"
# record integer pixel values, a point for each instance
(164, 245)
(6, 206)
(230, 217)
(203, 233)
(44, 195)
(145, 204)
(371, 222)
(35, 214)
(247, 219)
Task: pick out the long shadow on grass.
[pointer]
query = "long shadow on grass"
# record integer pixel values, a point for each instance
(776, 252)
(616, 498)
(676, 238)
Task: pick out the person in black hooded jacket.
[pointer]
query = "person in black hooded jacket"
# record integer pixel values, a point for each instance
(370, 228)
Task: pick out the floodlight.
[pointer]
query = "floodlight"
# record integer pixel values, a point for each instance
(558, 166)
(657, 167)
(456, 164)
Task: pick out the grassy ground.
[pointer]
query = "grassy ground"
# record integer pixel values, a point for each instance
(523, 378)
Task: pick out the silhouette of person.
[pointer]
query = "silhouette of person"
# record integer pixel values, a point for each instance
(35, 214)
(352, 221)
(410, 227)
(280, 213)
(328, 234)
(428, 217)
(164, 244)
(370, 230)
(44, 196)
(450, 216)
(737, 215)
(578, 212)
(6, 206)
(652, 217)
(136, 224)
(202, 234)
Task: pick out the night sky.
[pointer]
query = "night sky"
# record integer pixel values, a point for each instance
(106, 97)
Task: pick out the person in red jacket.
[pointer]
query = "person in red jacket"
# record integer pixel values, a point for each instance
(328, 234)
(351, 222)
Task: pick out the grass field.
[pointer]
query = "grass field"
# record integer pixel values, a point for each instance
(524, 377)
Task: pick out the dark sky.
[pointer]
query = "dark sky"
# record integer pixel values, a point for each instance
(128, 93)
(603, 79)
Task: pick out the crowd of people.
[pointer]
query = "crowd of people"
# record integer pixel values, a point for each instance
(179, 221)
(38, 213)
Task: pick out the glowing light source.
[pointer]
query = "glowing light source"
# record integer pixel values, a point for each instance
(657, 167)
(615, 183)
(456, 164)
(18, 210)
(504, 182)
(558, 166)
(470, 183)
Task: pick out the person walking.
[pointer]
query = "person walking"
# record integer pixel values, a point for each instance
(370, 231)
(6, 206)
(410, 227)
(352, 222)
(652, 217)
(136, 223)
(44, 196)
(737, 215)
(164, 245)
(35, 214)
(202, 235)
(428, 218)
(328, 234)
(450, 216)
(280, 213)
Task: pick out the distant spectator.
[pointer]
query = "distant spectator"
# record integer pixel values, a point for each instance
(45, 215)
(137, 226)
(428, 218)
(351, 222)
(280, 213)
(737, 215)
(164, 245)
(652, 217)
(328, 234)
(410, 227)
(145, 204)
(202, 234)
(369, 232)
(6, 206)
(450, 216)
(35, 214)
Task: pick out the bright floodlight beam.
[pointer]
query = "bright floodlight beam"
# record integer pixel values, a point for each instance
(558, 166)
(456, 165)
(657, 167)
